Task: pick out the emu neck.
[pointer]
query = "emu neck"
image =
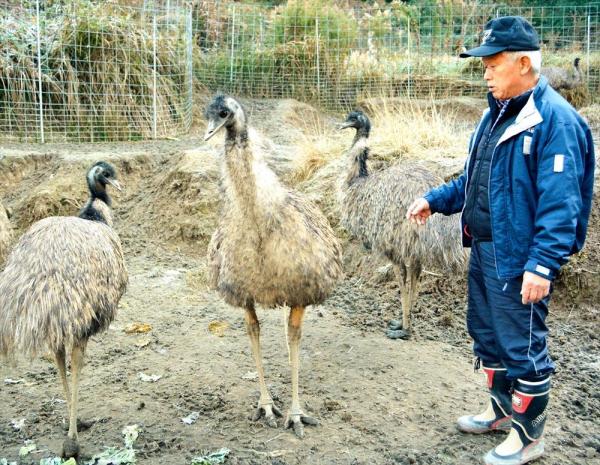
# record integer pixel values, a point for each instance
(361, 133)
(240, 175)
(97, 210)
(98, 191)
(98, 205)
(357, 157)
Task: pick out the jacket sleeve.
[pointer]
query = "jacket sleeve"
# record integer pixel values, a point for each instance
(448, 198)
(560, 170)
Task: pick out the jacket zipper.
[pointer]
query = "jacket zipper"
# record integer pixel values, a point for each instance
(467, 175)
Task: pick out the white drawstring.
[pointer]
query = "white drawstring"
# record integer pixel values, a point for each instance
(530, 333)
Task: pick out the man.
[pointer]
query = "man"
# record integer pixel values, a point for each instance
(525, 197)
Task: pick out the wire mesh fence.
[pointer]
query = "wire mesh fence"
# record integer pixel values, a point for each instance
(88, 71)
(320, 52)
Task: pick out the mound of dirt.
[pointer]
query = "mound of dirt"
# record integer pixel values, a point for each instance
(462, 109)
(177, 202)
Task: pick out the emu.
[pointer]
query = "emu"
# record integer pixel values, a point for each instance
(560, 78)
(61, 285)
(373, 208)
(5, 234)
(272, 247)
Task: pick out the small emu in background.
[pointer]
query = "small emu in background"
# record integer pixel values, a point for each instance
(373, 209)
(61, 285)
(562, 79)
(5, 234)
(272, 247)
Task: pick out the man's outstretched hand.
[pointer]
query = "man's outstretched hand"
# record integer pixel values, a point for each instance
(418, 212)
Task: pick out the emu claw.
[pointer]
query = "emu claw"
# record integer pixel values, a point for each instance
(269, 411)
(397, 334)
(297, 421)
(395, 325)
(82, 425)
(70, 448)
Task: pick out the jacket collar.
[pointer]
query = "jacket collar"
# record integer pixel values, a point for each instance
(529, 115)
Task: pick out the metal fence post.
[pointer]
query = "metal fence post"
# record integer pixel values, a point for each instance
(39, 58)
(589, 28)
(318, 57)
(409, 61)
(154, 110)
(190, 39)
(232, 44)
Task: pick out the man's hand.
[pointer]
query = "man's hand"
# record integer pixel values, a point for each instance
(534, 288)
(418, 212)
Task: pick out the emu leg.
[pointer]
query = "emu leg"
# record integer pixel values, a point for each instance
(295, 416)
(396, 329)
(61, 363)
(71, 445)
(265, 406)
(413, 285)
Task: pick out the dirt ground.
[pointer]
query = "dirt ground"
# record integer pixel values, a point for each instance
(378, 401)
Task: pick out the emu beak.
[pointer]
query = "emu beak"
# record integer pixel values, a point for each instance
(211, 129)
(344, 125)
(115, 184)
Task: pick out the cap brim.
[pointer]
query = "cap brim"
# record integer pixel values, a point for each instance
(482, 51)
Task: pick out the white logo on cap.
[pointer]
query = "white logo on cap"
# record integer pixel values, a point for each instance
(486, 35)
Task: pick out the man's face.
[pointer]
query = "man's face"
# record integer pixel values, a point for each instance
(503, 75)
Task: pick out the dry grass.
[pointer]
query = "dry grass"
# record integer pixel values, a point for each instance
(400, 131)
(97, 73)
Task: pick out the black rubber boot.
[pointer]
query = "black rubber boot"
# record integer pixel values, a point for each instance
(529, 402)
(500, 394)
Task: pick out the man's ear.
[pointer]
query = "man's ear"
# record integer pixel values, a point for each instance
(524, 65)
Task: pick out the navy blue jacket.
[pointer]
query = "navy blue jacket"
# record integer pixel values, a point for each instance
(540, 186)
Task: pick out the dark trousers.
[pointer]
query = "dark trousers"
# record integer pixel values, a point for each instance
(503, 329)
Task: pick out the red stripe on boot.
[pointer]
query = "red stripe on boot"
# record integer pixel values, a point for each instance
(521, 401)
(490, 376)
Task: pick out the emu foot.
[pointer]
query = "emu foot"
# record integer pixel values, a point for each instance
(397, 334)
(70, 448)
(83, 425)
(297, 421)
(395, 324)
(269, 411)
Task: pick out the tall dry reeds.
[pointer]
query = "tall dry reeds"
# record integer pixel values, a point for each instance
(98, 66)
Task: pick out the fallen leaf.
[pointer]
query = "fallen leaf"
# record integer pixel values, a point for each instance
(13, 381)
(17, 424)
(27, 449)
(191, 418)
(138, 328)
(149, 378)
(113, 456)
(143, 342)
(218, 327)
(213, 458)
(130, 434)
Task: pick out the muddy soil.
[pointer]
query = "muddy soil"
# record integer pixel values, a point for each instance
(378, 401)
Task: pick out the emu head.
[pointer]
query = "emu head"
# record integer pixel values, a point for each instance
(359, 121)
(224, 111)
(101, 174)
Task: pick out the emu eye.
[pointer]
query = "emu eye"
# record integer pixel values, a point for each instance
(223, 113)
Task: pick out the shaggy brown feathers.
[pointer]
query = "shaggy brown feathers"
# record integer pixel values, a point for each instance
(5, 235)
(62, 283)
(373, 208)
(560, 78)
(272, 246)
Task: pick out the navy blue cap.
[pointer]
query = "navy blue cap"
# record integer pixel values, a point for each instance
(508, 33)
